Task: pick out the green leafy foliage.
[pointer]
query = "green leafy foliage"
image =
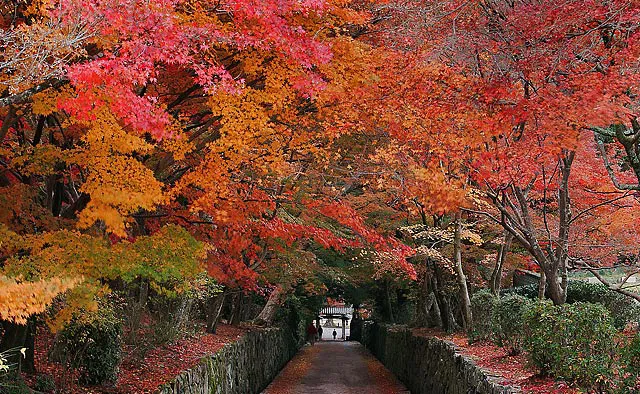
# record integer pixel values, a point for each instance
(12, 383)
(571, 341)
(483, 304)
(298, 310)
(507, 322)
(631, 363)
(90, 343)
(529, 291)
(45, 383)
(621, 308)
(10, 380)
(170, 254)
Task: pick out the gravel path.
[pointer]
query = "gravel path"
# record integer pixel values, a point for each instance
(335, 367)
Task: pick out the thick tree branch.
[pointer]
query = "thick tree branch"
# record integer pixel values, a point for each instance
(25, 96)
(609, 167)
(7, 122)
(615, 288)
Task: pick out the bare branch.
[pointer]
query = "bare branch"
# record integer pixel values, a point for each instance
(625, 195)
(615, 288)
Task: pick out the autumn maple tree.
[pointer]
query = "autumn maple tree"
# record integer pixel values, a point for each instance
(146, 145)
(147, 142)
(519, 90)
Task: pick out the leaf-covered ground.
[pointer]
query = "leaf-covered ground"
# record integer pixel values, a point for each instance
(138, 373)
(290, 376)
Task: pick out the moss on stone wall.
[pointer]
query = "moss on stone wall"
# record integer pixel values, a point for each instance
(428, 365)
(246, 366)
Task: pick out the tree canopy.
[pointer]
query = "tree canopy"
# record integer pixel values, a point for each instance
(162, 139)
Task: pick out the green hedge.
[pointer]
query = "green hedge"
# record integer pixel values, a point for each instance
(621, 308)
(571, 341)
(91, 343)
(529, 291)
(483, 304)
(507, 322)
(498, 319)
(631, 364)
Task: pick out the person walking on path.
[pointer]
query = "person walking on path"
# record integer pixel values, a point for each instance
(334, 334)
(320, 333)
(311, 333)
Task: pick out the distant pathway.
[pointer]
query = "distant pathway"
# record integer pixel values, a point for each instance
(335, 367)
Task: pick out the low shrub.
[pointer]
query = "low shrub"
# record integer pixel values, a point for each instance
(91, 343)
(483, 304)
(44, 383)
(528, 291)
(507, 322)
(631, 366)
(571, 341)
(11, 382)
(622, 309)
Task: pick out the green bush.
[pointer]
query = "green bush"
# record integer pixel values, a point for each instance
(11, 382)
(571, 341)
(45, 383)
(528, 291)
(621, 308)
(507, 322)
(91, 344)
(483, 304)
(631, 365)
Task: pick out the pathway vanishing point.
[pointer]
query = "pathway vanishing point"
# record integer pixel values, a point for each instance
(335, 367)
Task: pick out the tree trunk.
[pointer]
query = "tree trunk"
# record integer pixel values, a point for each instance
(496, 275)
(467, 321)
(213, 311)
(542, 284)
(183, 313)
(557, 264)
(446, 314)
(519, 222)
(449, 323)
(8, 122)
(387, 298)
(435, 317)
(237, 307)
(268, 313)
(422, 306)
(137, 309)
(557, 289)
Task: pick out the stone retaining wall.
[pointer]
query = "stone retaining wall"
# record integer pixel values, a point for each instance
(246, 366)
(428, 365)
